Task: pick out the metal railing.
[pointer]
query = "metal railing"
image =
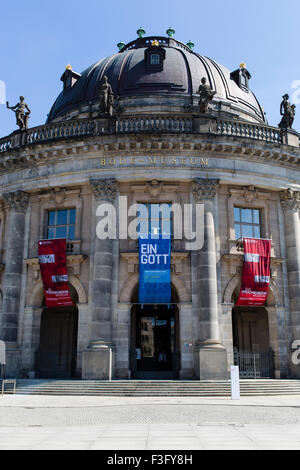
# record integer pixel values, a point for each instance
(254, 365)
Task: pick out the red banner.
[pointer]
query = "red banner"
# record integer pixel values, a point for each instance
(256, 272)
(53, 264)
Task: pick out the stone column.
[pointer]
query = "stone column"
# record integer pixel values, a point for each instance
(290, 201)
(95, 360)
(17, 203)
(212, 356)
(186, 340)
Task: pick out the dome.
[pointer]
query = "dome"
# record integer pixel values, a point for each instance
(171, 87)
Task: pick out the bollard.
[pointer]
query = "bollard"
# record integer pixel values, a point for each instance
(235, 383)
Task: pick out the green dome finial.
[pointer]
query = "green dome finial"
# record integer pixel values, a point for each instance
(190, 45)
(170, 32)
(120, 45)
(141, 32)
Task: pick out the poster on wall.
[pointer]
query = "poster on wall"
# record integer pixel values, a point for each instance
(53, 265)
(154, 271)
(256, 272)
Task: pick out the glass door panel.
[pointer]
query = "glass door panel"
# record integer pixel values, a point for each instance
(155, 342)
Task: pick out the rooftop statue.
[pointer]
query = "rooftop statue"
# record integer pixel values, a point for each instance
(288, 113)
(106, 97)
(21, 116)
(206, 95)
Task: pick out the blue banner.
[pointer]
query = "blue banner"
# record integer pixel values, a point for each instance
(154, 271)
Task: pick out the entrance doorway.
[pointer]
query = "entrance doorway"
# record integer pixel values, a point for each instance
(251, 329)
(251, 341)
(154, 342)
(58, 342)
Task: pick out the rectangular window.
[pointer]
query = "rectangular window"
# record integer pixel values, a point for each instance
(155, 219)
(154, 59)
(247, 223)
(61, 224)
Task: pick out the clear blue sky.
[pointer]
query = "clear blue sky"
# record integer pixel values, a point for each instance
(38, 38)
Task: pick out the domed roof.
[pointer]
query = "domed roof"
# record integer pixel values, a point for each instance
(175, 85)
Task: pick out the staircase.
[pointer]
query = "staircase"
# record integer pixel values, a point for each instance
(151, 388)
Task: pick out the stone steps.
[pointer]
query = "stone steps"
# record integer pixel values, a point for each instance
(154, 388)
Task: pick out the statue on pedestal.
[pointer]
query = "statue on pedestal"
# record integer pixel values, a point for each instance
(106, 97)
(206, 95)
(288, 113)
(21, 116)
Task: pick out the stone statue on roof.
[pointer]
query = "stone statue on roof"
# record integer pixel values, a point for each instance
(21, 116)
(288, 113)
(106, 97)
(206, 95)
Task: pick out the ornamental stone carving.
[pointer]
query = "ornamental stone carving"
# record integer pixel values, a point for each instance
(106, 98)
(17, 200)
(290, 199)
(154, 188)
(21, 116)
(288, 113)
(204, 189)
(205, 96)
(105, 189)
(250, 194)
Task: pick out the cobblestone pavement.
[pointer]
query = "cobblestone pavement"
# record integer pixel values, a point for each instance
(48, 422)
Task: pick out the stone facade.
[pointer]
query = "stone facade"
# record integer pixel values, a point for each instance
(199, 162)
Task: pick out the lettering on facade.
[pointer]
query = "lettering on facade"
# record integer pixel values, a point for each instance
(154, 161)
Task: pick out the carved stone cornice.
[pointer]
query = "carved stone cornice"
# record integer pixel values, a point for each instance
(73, 264)
(290, 200)
(204, 189)
(30, 157)
(105, 189)
(177, 261)
(17, 200)
(235, 262)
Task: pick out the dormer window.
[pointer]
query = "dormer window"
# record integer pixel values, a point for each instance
(154, 57)
(69, 77)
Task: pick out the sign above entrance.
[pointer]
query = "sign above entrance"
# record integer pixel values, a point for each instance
(53, 264)
(154, 271)
(256, 272)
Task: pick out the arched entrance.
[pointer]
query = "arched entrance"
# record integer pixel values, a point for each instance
(251, 341)
(58, 341)
(250, 329)
(155, 340)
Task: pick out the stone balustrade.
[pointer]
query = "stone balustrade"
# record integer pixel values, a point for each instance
(250, 131)
(5, 144)
(60, 130)
(77, 128)
(175, 124)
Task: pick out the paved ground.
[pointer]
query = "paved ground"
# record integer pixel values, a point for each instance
(47, 422)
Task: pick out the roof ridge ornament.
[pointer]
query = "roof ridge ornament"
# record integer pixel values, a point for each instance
(120, 45)
(141, 32)
(170, 32)
(190, 45)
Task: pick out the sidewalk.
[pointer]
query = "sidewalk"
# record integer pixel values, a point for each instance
(48, 422)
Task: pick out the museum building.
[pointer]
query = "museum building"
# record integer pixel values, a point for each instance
(157, 123)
